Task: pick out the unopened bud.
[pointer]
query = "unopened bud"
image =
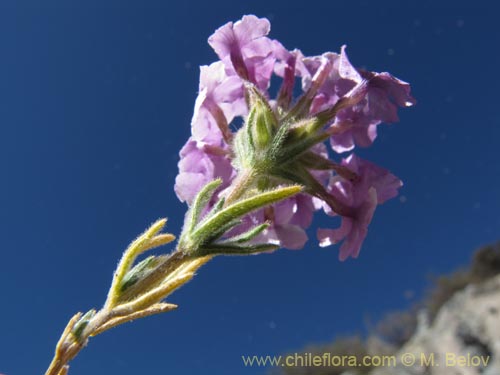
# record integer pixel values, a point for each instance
(261, 122)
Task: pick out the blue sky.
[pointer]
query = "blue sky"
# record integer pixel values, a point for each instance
(95, 103)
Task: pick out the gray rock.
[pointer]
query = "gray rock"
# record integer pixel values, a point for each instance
(463, 339)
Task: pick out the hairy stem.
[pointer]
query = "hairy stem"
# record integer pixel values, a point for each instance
(240, 185)
(137, 290)
(180, 266)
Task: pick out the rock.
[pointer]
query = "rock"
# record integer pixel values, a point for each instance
(463, 339)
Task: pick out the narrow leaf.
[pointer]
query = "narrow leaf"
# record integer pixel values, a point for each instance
(246, 236)
(178, 277)
(154, 309)
(234, 249)
(141, 270)
(82, 323)
(201, 200)
(218, 205)
(159, 240)
(222, 230)
(241, 208)
(137, 247)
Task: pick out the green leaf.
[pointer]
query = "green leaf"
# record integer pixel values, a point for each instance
(141, 270)
(246, 236)
(199, 203)
(218, 205)
(234, 249)
(82, 323)
(239, 209)
(223, 229)
(216, 208)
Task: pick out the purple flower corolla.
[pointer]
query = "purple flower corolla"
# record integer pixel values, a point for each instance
(205, 156)
(357, 125)
(220, 100)
(201, 163)
(350, 104)
(359, 199)
(286, 66)
(244, 52)
(329, 77)
(288, 220)
(244, 49)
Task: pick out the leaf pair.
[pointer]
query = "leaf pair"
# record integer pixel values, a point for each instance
(202, 235)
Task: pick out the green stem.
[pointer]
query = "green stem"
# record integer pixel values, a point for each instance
(240, 185)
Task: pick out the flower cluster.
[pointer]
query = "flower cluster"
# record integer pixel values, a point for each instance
(281, 140)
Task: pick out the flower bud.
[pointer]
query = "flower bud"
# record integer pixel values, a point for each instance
(261, 122)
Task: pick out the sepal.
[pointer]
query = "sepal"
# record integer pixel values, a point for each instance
(261, 123)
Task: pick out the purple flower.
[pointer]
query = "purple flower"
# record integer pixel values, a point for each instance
(286, 66)
(205, 157)
(201, 163)
(347, 104)
(358, 199)
(245, 50)
(288, 220)
(353, 230)
(357, 125)
(328, 78)
(220, 100)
